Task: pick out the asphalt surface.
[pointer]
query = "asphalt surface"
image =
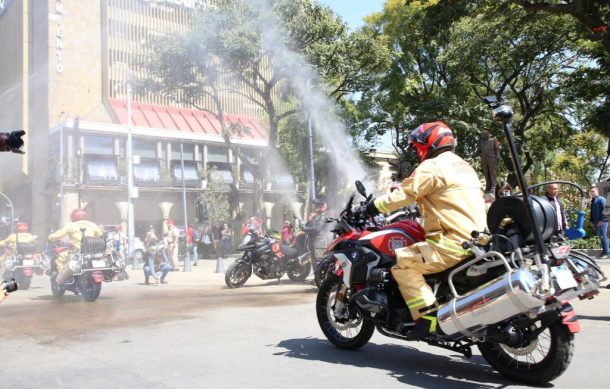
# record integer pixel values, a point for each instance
(196, 333)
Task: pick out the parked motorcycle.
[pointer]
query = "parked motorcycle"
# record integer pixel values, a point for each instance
(268, 259)
(86, 269)
(510, 299)
(22, 264)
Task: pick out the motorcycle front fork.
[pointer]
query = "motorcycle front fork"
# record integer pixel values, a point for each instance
(340, 309)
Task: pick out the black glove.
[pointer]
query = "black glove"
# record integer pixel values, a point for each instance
(371, 209)
(11, 141)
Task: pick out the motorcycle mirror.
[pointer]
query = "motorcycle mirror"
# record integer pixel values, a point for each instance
(360, 188)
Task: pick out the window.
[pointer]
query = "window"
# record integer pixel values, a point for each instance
(145, 148)
(190, 171)
(189, 152)
(283, 181)
(101, 169)
(218, 154)
(147, 171)
(98, 145)
(222, 171)
(247, 177)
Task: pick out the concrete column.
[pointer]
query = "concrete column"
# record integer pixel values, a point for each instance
(268, 208)
(166, 207)
(122, 207)
(168, 152)
(70, 204)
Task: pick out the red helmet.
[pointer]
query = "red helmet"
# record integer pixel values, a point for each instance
(78, 214)
(429, 138)
(170, 222)
(22, 227)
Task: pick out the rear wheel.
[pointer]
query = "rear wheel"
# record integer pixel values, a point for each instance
(23, 281)
(237, 274)
(536, 362)
(349, 331)
(297, 272)
(90, 289)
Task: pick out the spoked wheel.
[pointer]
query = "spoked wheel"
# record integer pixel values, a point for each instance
(342, 326)
(297, 272)
(90, 289)
(538, 361)
(237, 274)
(324, 268)
(58, 291)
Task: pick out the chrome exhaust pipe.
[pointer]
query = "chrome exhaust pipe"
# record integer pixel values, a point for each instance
(493, 302)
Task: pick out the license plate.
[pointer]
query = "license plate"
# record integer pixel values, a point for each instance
(28, 262)
(98, 263)
(564, 277)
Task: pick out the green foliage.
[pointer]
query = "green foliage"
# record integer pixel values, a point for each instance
(217, 198)
(591, 243)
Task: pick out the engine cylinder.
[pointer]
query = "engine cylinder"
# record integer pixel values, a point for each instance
(493, 302)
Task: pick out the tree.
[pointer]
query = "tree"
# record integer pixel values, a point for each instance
(217, 198)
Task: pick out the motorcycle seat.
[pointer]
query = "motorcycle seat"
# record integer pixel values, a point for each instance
(289, 251)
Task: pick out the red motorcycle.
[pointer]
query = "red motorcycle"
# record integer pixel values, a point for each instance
(510, 298)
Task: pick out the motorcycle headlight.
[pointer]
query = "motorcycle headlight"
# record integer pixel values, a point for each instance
(74, 266)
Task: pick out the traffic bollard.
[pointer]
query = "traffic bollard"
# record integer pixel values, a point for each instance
(220, 267)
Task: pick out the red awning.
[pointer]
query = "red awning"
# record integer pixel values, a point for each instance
(187, 120)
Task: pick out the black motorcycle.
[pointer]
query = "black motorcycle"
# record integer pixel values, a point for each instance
(86, 269)
(22, 264)
(268, 259)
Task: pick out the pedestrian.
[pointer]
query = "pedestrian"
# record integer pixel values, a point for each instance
(552, 190)
(188, 235)
(503, 189)
(226, 240)
(196, 243)
(150, 239)
(172, 244)
(287, 233)
(156, 264)
(599, 220)
(216, 239)
(206, 241)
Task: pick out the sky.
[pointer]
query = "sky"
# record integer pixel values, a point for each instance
(352, 11)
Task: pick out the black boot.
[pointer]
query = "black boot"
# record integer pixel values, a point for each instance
(424, 327)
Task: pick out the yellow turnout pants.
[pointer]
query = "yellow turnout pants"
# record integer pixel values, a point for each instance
(428, 257)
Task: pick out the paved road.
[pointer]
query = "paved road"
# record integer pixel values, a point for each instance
(195, 333)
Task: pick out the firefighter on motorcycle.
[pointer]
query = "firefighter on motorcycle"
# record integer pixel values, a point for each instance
(448, 192)
(10, 243)
(73, 231)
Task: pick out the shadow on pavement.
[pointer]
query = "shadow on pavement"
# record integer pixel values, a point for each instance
(408, 365)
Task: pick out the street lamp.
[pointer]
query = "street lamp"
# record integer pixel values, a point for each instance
(10, 204)
(187, 258)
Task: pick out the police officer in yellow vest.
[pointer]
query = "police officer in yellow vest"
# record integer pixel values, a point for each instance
(73, 231)
(22, 236)
(450, 199)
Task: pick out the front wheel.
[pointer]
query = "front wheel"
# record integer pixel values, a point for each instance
(90, 289)
(297, 272)
(237, 274)
(324, 269)
(350, 330)
(58, 291)
(536, 362)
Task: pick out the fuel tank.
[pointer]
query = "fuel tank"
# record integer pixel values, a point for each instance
(394, 236)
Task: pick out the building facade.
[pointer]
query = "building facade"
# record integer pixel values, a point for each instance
(65, 69)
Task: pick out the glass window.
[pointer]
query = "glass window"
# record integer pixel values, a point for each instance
(190, 170)
(189, 152)
(99, 145)
(145, 148)
(218, 154)
(283, 181)
(246, 176)
(102, 169)
(222, 171)
(147, 171)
